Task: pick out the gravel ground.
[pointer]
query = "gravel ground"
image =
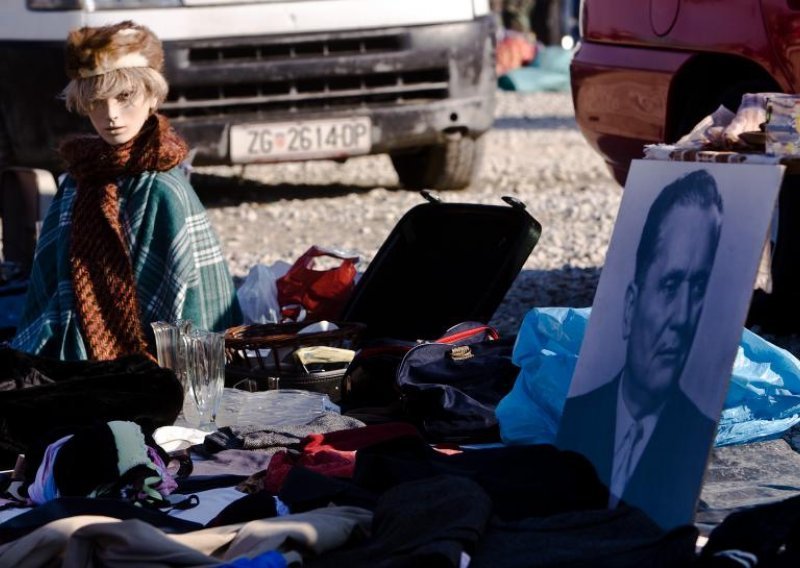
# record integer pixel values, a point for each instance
(535, 153)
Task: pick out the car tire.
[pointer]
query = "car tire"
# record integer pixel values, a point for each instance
(452, 165)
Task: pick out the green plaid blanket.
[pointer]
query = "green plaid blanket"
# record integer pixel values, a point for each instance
(177, 263)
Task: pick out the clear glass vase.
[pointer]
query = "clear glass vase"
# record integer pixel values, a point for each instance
(171, 351)
(205, 373)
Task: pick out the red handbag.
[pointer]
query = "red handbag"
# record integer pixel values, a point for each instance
(320, 293)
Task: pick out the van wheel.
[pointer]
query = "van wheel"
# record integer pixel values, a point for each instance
(452, 165)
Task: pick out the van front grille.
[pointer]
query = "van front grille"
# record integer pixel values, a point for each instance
(320, 93)
(280, 51)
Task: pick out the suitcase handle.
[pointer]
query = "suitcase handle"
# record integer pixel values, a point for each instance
(430, 196)
(514, 202)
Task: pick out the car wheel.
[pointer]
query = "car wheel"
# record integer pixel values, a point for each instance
(452, 165)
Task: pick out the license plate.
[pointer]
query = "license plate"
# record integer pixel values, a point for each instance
(299, 140)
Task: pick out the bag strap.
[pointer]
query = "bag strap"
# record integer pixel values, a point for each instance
(460, 334)
(469, 332)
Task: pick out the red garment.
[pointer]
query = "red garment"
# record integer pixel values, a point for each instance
(333, 454)
(512, 52)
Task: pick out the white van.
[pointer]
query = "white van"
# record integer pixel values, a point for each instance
(276, 80)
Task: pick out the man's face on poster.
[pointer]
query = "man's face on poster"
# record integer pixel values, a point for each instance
(662, 311)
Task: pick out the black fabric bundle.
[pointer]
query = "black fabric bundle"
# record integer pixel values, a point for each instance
(43, 399)
(501, 507)
(766, 536)
(428, 523)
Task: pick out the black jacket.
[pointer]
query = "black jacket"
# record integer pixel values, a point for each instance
(667, 479)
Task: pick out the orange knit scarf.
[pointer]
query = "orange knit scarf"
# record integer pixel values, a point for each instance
(102, 273)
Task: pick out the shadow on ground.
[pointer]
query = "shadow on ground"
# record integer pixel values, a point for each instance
(218, 191)
(535, 123)
(568, 286)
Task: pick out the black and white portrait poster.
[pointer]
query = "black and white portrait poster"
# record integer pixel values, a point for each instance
(666, 321)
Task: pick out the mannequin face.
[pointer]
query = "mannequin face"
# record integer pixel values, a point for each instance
(119, 119)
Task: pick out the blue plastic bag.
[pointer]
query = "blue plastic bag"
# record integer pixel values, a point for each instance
(763, 398)
(546, 351)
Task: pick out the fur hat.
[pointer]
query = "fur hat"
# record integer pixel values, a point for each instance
(95, 51)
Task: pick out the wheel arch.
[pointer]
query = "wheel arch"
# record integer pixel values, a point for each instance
(705, 82)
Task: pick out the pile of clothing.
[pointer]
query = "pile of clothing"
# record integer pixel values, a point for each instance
(333, 492)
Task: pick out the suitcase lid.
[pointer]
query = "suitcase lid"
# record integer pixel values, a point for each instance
(443, 263)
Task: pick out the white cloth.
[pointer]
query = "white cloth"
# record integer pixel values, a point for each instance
(172, 438)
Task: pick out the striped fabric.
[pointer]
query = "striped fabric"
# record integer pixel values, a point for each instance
(686, 154)
(177, 264)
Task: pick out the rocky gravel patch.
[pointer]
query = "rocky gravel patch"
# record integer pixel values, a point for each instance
(535, 152)
(265, 213)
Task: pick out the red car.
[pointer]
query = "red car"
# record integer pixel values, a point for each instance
(647, 71)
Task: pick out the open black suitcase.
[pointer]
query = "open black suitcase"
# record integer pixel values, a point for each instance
(442, 264)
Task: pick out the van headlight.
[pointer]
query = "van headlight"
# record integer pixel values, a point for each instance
(92, 5)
